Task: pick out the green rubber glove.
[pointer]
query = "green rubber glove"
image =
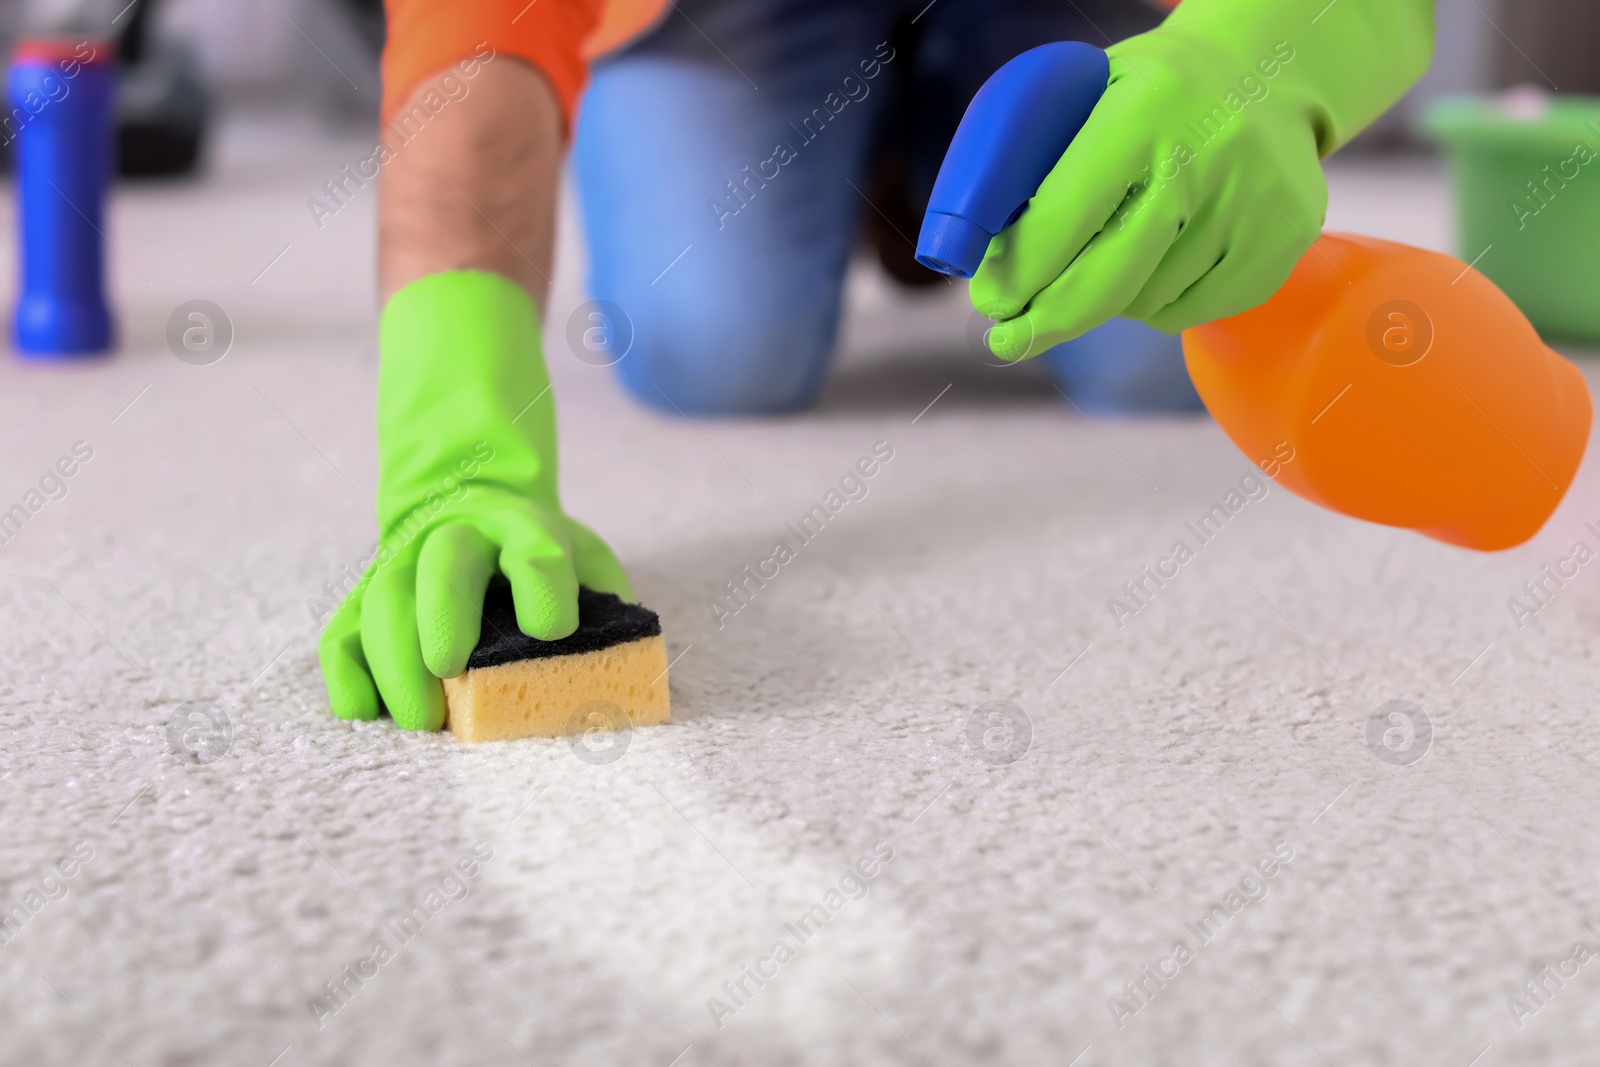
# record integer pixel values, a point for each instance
(466, 487)
(1197, 182)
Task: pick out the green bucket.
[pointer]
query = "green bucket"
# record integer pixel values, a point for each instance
(1526, 170)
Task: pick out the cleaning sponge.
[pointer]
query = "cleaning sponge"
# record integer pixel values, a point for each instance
(519, 686)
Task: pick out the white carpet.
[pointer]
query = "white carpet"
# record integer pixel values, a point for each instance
(826, 722)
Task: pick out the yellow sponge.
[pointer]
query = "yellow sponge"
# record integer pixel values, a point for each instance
(612, 672)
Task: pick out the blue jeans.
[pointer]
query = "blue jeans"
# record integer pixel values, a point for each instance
(721, 165)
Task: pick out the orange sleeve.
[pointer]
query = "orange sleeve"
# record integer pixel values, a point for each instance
(426, 36)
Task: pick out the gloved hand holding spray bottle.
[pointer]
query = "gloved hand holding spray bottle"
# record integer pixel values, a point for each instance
(1177, 179)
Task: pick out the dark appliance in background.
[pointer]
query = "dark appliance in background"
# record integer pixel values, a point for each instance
(1548, 43)
(162, 108)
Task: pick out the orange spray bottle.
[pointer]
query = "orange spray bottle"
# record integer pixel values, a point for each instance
(1413, 392)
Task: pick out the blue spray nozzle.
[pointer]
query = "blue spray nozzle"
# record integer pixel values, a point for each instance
(951, 244)
(1012, 134)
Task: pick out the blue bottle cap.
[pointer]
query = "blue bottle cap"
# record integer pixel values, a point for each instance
(951, 244)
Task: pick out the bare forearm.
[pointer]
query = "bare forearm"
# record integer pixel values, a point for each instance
(476, 188)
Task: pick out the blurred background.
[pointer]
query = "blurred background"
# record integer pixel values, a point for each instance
(210, 89)
(321, 56)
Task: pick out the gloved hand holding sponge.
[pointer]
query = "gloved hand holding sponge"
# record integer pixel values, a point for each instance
(462, 389)
(1186, 189)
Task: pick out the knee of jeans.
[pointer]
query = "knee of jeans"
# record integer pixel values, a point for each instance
(717, 361)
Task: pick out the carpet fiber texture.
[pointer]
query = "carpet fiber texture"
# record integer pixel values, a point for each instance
(926, 798)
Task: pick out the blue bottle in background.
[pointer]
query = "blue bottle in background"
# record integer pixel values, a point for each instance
(58, 120)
